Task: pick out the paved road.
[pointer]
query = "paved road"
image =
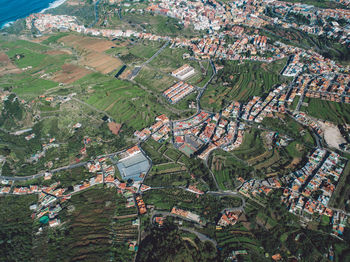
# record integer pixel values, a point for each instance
(91, 107)
(24, 178)
(230, 193)
(318, 138)
(201, 236)
(201, 90)
(42, 173)
(137, 69)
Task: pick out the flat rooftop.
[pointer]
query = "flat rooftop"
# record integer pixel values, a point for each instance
(133, 167)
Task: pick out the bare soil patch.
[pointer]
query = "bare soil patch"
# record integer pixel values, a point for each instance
(70, 73)
(294, 163)
(75, 2)
(6, 66)
(93, 52)
(125, 74)
(88, 43)
(101, 62)
(332, 134)
(59, 52)
(114, 127)
(211, 101)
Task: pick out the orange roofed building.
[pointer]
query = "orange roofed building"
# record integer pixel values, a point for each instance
(141, 205)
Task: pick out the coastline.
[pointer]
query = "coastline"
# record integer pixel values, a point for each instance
(52, 5)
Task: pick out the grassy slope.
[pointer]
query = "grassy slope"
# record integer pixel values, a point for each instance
(86, 233)
(326, 110)
(243, 82)
(16, 228)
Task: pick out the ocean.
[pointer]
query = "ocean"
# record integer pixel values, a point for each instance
(11, 10)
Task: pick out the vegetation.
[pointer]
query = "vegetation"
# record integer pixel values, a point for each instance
(251, 146)
(320, 3)
(335, 112)
(327, 47)
(123, 102)
(340, 198)
(84, 12)
(207, 206)
(285, 125)
(16, 228)
(86, 231)
(156, 24)
(167, 244)
(228, 169)
(12, 112)
(242, 81)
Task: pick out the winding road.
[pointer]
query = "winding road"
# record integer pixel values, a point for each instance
(42, 173)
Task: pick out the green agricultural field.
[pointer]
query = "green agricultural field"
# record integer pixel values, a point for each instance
(54, 38)
(153, 153)
(173, 154)
(123, 230)
(340, 198)
(239, 240)
(293, 149)
(30, 58)
(272, 162)
(173, 179)
(16, 43)
(126, 103)
(166, 168)
(227, 169)
(154, 79)
(203, 75)
(135, 52)
(251, 146)
(36, 58)
(320, 3)
(242, 82)
(335, 112)
(294, 103)
(156, 24)
(30, 87)
(170, 59)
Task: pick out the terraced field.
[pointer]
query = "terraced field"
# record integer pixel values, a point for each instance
(86, 234)
(124, 102)
(252, 145)
(227, 169)
(240, 82)
(240, 240)
(16, 228)
(123, 231)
